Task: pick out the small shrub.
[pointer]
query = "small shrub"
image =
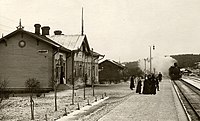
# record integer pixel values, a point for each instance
(3, 85)
(33, 85)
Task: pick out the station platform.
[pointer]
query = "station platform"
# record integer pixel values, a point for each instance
(164, 106)
(194, 81)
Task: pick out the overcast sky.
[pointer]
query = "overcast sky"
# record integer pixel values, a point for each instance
(119, 29)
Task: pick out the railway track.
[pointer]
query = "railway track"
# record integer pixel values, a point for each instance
(190, 97)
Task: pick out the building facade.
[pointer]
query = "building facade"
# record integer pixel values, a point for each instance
(49, 59)
(25, 55)
(110, 71)
(83, 60)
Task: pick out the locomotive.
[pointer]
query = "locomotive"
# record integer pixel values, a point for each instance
(174, 72)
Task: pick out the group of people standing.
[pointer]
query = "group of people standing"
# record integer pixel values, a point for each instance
(150, 83)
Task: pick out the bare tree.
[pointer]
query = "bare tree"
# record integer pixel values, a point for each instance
(54, 85)
(3, 85)
(55, 94)
(32, 85)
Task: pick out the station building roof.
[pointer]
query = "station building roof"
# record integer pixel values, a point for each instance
(40, 37)
(72, 42)
(113, 62)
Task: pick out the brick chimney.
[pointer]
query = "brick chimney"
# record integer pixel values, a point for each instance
(37, 29)
(45, 30)
(57, 32)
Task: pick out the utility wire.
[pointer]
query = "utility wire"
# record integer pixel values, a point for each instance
(12, 20)
(6, 26)
(5, 29)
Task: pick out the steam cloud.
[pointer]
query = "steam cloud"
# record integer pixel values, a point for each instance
(160, 64)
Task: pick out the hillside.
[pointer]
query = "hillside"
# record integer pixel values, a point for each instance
(133, 68)
(187, 60)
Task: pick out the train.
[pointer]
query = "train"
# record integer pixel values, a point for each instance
(174, 72)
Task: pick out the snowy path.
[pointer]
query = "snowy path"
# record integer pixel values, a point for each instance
(82, 110)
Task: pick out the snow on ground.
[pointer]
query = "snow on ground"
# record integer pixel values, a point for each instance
(164, 106)
(18, 108)
(82, 110)
(192, 81)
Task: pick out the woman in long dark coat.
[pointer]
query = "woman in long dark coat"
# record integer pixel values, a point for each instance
(132, 83)
(146, 85)
(138, 89)
(153, 84)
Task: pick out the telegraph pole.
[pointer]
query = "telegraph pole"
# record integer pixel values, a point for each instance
(150, 59)
(82, 24)
(145, 65)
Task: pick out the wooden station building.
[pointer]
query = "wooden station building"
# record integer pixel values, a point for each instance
(25, 55)
(83, 59)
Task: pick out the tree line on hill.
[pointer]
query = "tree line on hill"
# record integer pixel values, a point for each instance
(132, 68)
(187, 60)
(183, 60)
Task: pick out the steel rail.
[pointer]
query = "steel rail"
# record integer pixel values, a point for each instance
(185, 96)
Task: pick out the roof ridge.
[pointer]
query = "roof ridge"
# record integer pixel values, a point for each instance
(43, 38)
(67, 35)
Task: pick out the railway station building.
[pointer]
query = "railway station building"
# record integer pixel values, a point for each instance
(25, 55)
(83, 59)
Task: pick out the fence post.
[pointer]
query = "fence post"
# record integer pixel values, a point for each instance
(45, 117)
(88, 102)
(78, 106)
(65, 114)
(102, 97)
(95, 99)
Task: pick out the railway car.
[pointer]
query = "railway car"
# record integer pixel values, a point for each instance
(174, 72)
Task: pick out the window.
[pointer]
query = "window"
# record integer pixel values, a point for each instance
(22, 43)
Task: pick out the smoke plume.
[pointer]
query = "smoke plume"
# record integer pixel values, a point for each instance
(159, 64)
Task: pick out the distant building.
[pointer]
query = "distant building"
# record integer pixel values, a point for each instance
(110, 71)
(25, 55)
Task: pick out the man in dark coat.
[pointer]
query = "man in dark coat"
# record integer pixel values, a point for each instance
(157, 83)
(160, 77)
(139, 84)
(132, 83)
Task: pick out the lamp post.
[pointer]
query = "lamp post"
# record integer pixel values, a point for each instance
(151, 58)
(145, 65)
